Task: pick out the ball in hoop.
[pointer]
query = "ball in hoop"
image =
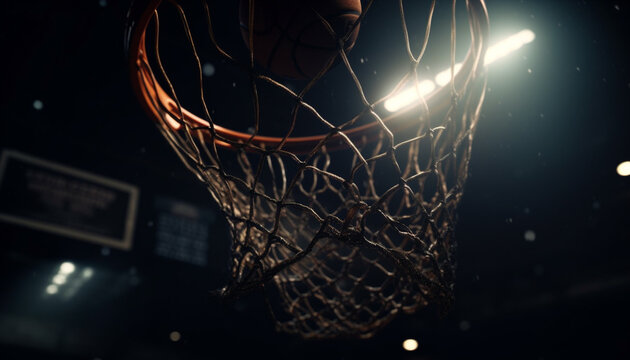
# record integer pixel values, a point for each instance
(292, 40)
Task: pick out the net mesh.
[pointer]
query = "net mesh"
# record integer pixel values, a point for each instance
(346, 230)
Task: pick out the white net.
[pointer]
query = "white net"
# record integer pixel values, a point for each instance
(346, 229)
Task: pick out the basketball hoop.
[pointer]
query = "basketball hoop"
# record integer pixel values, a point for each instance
(344, 229)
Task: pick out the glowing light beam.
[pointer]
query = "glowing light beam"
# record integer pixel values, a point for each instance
(508, 45)
(409, 95)
(444, 76)
(495, 52)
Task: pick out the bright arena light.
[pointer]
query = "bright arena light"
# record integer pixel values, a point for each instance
(495, 52)
(508, 45)
(409, 95)
(52, 289)
(67, 268)
(59, 279)
(623, 169)
(410, 344)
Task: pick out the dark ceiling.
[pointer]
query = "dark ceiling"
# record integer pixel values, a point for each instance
(543, 231)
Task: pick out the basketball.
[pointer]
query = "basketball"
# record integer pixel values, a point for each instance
(290, 40)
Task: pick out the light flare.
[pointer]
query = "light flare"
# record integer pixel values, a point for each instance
(411, 95)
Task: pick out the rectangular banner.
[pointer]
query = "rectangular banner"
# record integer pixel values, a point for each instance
(65, 201)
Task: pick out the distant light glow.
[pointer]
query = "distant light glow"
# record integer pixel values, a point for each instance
(409, 95)
(67, 268)
(495, 52)
(464, 325)
(52, 289)
(87, 273)
(59, 279)
(208, 69)
(410, 344)
(530, 235)
(175, 336)
(623, 169)
(38, 105)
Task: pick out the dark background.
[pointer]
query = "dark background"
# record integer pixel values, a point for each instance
(554, 128)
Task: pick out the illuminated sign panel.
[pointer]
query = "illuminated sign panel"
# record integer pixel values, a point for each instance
(65, 201)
